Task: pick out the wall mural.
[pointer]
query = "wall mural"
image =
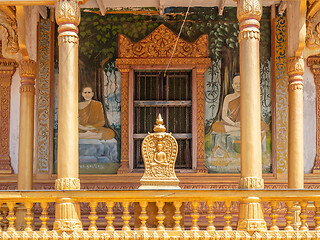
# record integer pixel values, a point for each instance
(100, 81)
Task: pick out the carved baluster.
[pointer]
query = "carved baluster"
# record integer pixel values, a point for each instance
(44, 216)
(110, 216)
(143, 215)
(160, 216)
(177, 215)
(126, 216)
(195, 215)
(11, 217)
(28, 217)
(210, 216)
(93, 216)
(274, 215)
(303, 215)
(227, 216)
(317, 215)
(289, 215)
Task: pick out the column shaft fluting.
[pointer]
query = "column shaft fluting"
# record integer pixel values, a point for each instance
(27, 72)
(67, 216)
(249, 14)
(68, 18)
(295, 69)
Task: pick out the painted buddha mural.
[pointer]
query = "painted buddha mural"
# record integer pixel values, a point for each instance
(224, 136)
(91, 118)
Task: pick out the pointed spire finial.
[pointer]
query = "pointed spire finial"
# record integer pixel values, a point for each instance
(159, 127)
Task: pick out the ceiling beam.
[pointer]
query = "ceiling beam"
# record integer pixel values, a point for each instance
(221, 7)
(124, 3)
(102, 7)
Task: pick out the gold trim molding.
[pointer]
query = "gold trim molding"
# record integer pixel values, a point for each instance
(151, 52)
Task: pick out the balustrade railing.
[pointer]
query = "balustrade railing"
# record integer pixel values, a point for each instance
(162, 214)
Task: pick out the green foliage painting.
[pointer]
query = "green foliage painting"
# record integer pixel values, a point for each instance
(98, 51)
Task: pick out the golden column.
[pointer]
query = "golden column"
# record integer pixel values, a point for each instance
(68, 18)
(295, 68)
(314, 64)
(7, 69)
(27, 72)
(249, 13)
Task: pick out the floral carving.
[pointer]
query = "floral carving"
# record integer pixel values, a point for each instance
(67, 11)
(249, 9)
(43, 96)
(8, 27)
(160, 44)
(67, 184)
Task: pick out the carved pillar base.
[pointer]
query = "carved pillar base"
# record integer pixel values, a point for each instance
(251, 217)
(67, 210)
(67, 216)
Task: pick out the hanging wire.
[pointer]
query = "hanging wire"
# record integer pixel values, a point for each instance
(175, 45)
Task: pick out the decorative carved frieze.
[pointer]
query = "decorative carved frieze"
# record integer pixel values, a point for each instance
(200, 120)
(67, 183)
(7, 69)
(43, 97)
(160, 44)
(251, 183)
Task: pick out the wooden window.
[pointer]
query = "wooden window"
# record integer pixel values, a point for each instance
(171, 95)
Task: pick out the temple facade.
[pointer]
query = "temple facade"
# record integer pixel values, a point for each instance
(206, 100)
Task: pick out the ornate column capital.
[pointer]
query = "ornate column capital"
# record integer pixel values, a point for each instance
(295, 69)
(124, 68)
(27, 72)
(249, 9)
(201, 69)
(67, 12)
(27, 69)
(295, 66)
(7, 69)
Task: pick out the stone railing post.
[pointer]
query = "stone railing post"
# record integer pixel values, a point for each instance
(249, 13)
(7, 69)
(68, 18)
(27, 72)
